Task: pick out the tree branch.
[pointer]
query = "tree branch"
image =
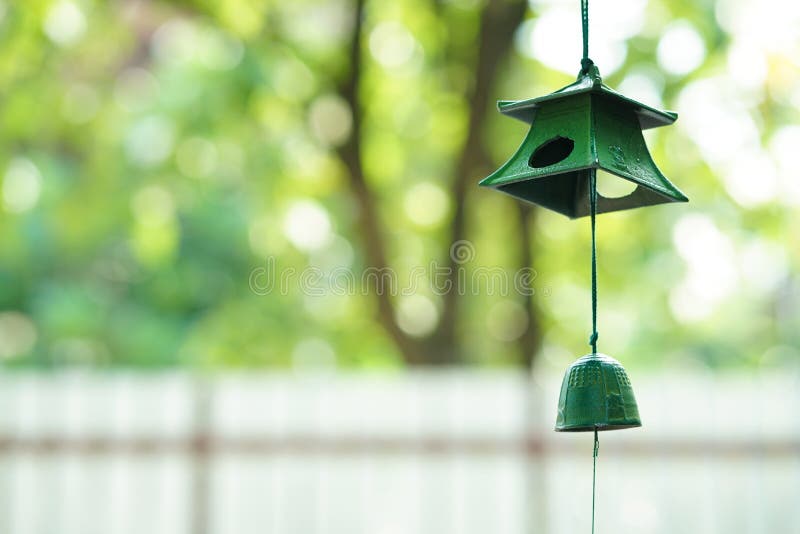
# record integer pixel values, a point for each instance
(531, 341)
(499, 20)
(368, 221)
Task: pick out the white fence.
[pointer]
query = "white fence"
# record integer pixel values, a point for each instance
(422, 453)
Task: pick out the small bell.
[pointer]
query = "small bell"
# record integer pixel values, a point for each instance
(596, 394)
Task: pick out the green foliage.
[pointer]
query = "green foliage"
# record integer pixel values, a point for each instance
(158, 154)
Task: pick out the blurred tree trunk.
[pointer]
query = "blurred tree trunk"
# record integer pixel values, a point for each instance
(498, 21)
(369, 223)
(530, 341)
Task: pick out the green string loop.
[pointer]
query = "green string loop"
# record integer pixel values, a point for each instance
(586, 63)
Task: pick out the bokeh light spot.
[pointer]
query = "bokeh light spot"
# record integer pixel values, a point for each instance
(681, 49)
(547, 39)
(22, 185)
(330, 120)
(417, 315)
(426, 204)
(149, 141)
(293, 80)
(307, 225)
(711, 273)
(391, 44)
(174, 42)
(752, 179)
(64, 23)
(644, 86)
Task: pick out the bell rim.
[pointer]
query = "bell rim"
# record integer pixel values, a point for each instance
(599, 428)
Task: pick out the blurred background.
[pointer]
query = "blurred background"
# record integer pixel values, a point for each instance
(248, 282)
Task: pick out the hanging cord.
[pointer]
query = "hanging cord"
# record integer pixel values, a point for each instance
(586, 63)
(593, 214)
(593, 338)
(594, 472)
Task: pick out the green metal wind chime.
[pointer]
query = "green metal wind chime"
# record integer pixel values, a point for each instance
(575, 131)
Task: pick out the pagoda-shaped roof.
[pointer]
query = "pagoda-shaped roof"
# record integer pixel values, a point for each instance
(525, 110)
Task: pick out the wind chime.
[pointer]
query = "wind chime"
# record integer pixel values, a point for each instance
(575, 131)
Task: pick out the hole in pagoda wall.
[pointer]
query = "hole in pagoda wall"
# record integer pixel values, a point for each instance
(551, 152)
(612, 186)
